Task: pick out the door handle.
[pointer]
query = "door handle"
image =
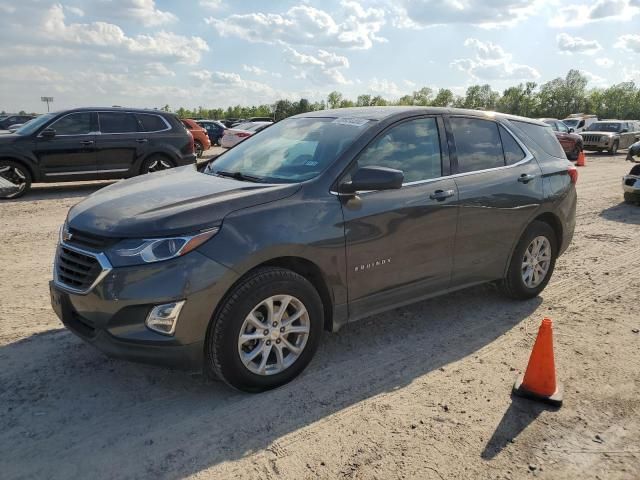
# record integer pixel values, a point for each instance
(142, 140)
(441, 195)
(526, 178)
(87, 142)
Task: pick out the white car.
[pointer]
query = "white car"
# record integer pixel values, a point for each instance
(235, 135)
(578, 123)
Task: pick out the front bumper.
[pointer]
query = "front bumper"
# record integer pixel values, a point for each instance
(631, 185)
(596, 142)
(112, 315)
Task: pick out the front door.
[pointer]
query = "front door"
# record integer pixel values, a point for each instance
(71, 153)
(399, 243)
(500, 187)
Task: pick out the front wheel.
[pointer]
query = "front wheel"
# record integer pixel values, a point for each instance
(266, 330)
(614, 148)
(15, 179)
(199, 148)
(532, 262)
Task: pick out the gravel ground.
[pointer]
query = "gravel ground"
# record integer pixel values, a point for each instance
(420, 392)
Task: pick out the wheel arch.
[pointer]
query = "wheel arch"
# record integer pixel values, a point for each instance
(554, 222)
(34, 177)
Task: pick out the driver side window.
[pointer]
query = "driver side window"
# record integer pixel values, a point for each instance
(74, 124)
(413, 147)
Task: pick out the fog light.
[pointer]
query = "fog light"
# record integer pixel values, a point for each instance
(163, 318)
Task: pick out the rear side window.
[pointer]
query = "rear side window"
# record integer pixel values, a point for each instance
(478, 144)
(151, 123)
(74, 124)
(513, 153)
(117, 122)
(543, 137)
(413, 147)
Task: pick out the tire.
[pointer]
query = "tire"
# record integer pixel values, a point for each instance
(156, 163)
(513, 285)
(614, 148)
(17, 174)
(631, 198)
(223, 347)
(199, 148)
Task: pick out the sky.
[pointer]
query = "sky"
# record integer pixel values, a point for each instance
(217, 53)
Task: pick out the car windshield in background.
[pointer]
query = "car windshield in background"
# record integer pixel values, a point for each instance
(606, 127)
(33, 125)
(571, 123)
(290, 151)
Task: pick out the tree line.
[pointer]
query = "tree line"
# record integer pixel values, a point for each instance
(555, 99)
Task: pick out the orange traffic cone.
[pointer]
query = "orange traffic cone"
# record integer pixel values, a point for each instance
(539, 381)
(582, 160)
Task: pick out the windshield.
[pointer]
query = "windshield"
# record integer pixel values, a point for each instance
(606, 127)
(572, 122)
(33, 125)
(293, 150)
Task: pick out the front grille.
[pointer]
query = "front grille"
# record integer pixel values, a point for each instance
(87, 240)
(76, 270)
(591, 138)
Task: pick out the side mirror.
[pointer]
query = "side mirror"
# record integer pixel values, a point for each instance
(373, 178)
(48, 133)
(571, 130)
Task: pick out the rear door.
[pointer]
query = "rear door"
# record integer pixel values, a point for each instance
(119, 144)
(71, 154)
(500, 187)
(399, 243)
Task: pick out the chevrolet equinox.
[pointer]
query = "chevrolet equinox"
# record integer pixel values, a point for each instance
(323, 219)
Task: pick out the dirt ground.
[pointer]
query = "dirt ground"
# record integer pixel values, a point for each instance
(420, 392)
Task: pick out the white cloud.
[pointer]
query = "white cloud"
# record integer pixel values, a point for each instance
(604, 62)
(491, 62)
(385, 88)
(78, 12)
(410, 84)
(254, 69)
(211, 4)
(594, 79)
(629, 42)
(568, 44)
(144, 12)
(163, 45)
(157, 69)
(306, 25)
(323, 68)
(631, 75)
(580, 14)
(426, 13)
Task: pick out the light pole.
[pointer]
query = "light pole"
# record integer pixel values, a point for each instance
(48, 100)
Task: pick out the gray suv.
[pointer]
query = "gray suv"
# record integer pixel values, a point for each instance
(610, 135)
(323, 219)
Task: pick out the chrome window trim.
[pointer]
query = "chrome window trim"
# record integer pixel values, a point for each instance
(527, 158)
(132, 113)
(102, 259)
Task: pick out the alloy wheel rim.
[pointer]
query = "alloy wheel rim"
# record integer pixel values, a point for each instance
(274, 335)
(536, 262)
(16, 177)
(158, 165)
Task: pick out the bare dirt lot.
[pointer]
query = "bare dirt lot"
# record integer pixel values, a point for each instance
(420, 392)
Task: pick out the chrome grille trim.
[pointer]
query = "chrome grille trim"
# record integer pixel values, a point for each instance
(101, 258)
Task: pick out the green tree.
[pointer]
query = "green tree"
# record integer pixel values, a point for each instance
(334, 99)
(444, 98)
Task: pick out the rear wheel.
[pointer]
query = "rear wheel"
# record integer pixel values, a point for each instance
(15, 179)
(532, 262)
(266, 330)
(199, 148)
(156, 163)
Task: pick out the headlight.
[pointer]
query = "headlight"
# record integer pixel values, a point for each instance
(150, 250)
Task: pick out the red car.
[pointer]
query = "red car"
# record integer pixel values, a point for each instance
(571, 142)
(201, 140)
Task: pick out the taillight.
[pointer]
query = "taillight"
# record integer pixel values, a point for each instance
(243, 134)
(573, 173)
(192, 147)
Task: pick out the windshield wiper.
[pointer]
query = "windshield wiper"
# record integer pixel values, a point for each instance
(238, 176)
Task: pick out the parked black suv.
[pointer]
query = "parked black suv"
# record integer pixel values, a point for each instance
(91, 144)
(322, 219)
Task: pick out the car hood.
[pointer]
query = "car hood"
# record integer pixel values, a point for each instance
(593, 132)
(172, 202)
